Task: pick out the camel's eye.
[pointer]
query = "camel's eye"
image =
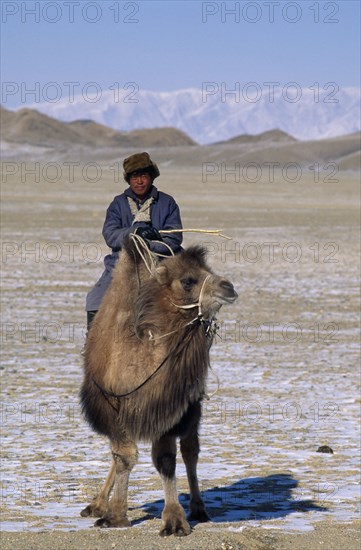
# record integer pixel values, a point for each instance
(188, 283)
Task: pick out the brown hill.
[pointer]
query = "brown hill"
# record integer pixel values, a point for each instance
(303, 152)
(160, 137)
(344, 151)
(107, 137)
(28, 126)
(350, 162)
(97, 134)
(276, 136)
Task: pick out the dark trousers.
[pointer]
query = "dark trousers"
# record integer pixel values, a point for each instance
(89, 318)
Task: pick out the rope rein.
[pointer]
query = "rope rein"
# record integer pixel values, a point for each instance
(108, 393)
(215, 232)
(141, 247)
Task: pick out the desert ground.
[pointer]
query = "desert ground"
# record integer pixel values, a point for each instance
(286, 357)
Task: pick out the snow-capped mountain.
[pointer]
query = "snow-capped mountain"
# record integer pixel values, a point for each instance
(214, 113)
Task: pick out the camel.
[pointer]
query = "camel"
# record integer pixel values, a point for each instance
(145, 369)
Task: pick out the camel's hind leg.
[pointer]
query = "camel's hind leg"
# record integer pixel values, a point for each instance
(190, 450)
(98, 507)
(164, 459)
(125, 456)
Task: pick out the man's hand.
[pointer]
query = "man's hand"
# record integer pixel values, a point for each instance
(149, 233)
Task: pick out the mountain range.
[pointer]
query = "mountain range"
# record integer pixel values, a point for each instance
(214, 114)
(26, 133)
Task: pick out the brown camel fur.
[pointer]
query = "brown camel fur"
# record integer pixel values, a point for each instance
(145, 369)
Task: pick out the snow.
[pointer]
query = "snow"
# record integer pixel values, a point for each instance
(210, 118)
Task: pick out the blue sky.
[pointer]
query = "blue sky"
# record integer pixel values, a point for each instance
(170, 45)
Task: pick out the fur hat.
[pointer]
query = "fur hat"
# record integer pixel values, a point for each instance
(140, 162)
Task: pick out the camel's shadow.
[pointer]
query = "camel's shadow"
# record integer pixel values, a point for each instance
(255, 498)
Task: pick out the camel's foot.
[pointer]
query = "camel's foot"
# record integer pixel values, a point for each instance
(197, 512)
(174, 522)
(110, 521)
(95, 510)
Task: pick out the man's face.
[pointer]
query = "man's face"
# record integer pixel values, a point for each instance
(140, 183)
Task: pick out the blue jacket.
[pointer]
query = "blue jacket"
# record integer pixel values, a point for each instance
(164, 214)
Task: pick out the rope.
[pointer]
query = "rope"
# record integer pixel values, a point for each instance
(153, 338)
(209, 396)
(188, 306)
(108, 393)
(196, 304)
(167, 246)
(140, 243)
(215, 232)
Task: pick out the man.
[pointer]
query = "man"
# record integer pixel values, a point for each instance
(141, 209)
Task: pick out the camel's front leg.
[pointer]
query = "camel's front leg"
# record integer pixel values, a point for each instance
(164, 459)
(190, 451)
(125, 456)
(98, 507)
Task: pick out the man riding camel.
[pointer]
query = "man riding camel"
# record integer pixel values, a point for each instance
(143, 210)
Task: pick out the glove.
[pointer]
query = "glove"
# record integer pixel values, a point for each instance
(149, 233)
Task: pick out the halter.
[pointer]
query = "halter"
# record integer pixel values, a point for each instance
(197, 304)
(150, 264)
(200, 318)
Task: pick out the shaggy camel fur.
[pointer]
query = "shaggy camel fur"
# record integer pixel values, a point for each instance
(145, 368)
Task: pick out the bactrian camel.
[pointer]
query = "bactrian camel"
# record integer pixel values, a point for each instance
(145, 369)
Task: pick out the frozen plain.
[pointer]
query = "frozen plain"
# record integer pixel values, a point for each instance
(286, 355)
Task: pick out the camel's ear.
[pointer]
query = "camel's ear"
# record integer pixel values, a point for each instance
(161, 274)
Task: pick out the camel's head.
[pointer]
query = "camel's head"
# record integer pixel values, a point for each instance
(191, 281)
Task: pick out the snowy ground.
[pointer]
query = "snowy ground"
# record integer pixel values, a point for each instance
(286, 355)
